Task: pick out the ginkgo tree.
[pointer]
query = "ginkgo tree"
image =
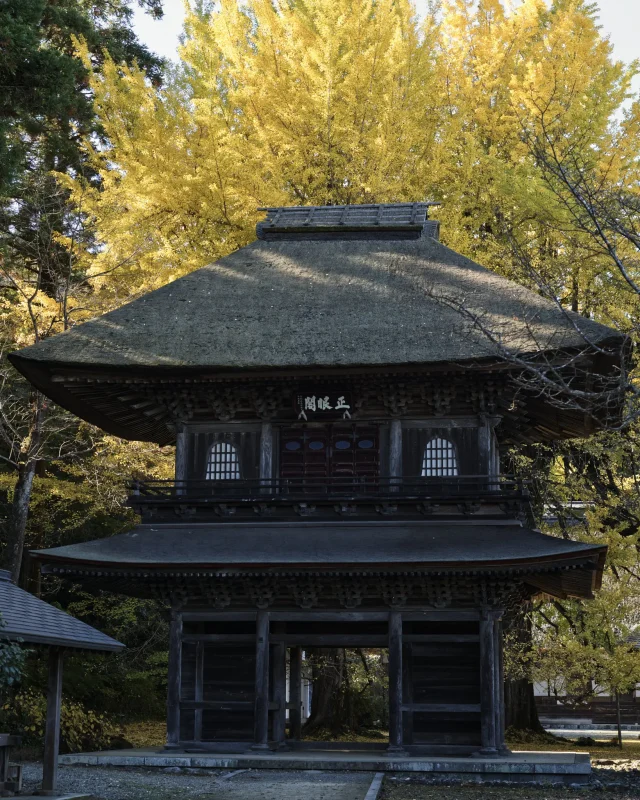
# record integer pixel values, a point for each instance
(347, 101)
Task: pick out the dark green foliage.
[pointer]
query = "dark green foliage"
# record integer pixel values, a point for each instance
(44, 95)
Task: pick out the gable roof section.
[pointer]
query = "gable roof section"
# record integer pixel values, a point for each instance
(287, 304)
(33, 621)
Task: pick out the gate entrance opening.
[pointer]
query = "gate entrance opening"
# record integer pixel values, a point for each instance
(246, 683)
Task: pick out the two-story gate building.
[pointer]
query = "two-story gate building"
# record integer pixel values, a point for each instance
(338, 428)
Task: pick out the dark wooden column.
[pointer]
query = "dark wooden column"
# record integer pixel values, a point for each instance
(395, 452)
(295, 693)
(174, 680)
(500, 719)
(266, 454)
(489, 667)
(181, 458)
(261, 719)
(407, 692)
(52, 725)
(279, 655)
(198, 691)
(395, 682)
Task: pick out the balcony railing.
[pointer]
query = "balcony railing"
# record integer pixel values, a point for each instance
(323, 490)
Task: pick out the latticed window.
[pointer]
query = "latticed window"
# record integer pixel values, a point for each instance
(223, 464)
(439, 459)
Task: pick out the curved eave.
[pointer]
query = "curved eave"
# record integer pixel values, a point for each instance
(60, 641)
(46, 376)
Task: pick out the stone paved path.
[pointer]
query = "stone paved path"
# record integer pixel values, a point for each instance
(112, 783)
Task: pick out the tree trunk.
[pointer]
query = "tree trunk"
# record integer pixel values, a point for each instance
(16, 524)
(327, 672)
(520, 706)
(618, 719)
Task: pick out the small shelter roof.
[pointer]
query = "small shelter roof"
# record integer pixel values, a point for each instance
(31, 620)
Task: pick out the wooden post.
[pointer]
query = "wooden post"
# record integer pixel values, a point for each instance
(295, 693)
(407, 692)
(500, 723)
(279, 652)
(488, 681)
(395, 452)
(198, 691)
(174, 680)
(181, 459)
(261, 719)
(266, 454)
(52, 725)
(395, 682)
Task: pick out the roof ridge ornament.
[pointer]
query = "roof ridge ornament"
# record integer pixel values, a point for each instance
(358, 221)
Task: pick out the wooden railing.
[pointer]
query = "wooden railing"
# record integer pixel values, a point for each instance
(353, 489)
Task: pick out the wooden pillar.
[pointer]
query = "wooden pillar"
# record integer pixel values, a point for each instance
(174, 680)
(295, 693)
(500, 718)
(489, 665)
(395, 682)
(266, 454)
(52, 725)
(198, 691)
(407, 692)
(279, 653)
(395, 451)
(181, 459)
(261, 719)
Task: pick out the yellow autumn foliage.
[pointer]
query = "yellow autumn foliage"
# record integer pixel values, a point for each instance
(348, 101)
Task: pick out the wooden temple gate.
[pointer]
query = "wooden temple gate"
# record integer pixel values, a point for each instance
(227, 675)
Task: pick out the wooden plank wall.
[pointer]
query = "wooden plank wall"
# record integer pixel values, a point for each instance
(225, 711)
(441, 683)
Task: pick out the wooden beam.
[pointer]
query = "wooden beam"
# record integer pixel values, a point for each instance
(295, 693)
(330, 639)
(440, 616)
(52, 724)
(395, 682)
(443, 708)
(174, 679)
(261, 718)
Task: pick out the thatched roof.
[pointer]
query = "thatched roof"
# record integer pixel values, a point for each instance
(300, 303)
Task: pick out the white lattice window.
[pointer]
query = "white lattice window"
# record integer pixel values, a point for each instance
(439, 459)
(223, 464)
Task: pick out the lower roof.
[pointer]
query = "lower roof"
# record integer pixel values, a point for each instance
(28, 619)
(364, 546)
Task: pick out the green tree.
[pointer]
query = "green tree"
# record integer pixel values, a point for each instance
(46, 109)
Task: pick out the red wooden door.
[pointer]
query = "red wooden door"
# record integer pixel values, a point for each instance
(339, 455)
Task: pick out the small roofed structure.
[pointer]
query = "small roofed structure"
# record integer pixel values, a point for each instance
(30, 620)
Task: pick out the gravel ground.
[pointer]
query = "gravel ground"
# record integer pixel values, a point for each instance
(113, 783)
(610, 780)
(617, 779)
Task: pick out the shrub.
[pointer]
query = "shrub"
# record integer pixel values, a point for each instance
(24, 715)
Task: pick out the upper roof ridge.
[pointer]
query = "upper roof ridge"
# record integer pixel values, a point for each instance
(365, 220)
